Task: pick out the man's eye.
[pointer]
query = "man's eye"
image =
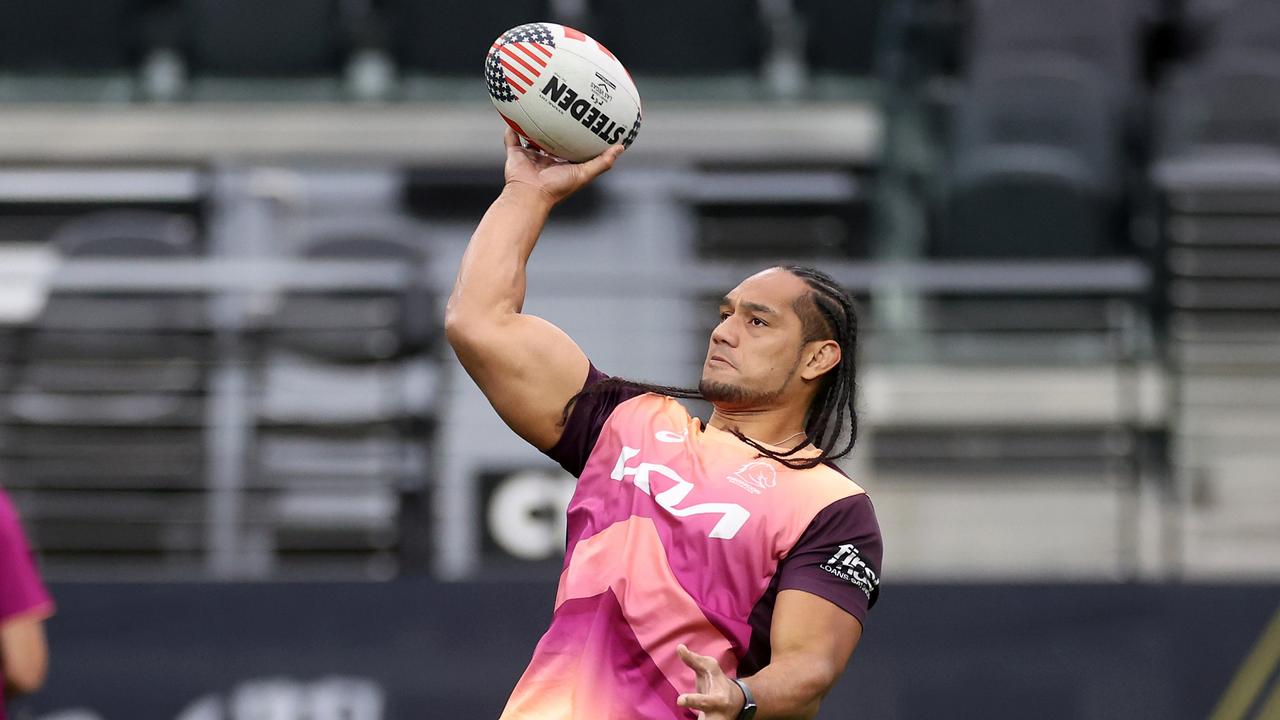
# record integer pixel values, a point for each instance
(723, 316)
(758, 322)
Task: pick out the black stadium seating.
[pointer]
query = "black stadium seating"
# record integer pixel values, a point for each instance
(106, 408)
(1250, 26)
(1231, 100)
(451, 37)
(681, 38)
(69, 35)
(345, 407)
(1035, 165)
(842, 36)
(350, 327)
(263, 38)
(1102, 33)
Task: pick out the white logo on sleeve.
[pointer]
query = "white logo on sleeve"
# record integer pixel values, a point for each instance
(848, 565)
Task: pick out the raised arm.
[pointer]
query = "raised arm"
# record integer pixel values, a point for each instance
(526, 367)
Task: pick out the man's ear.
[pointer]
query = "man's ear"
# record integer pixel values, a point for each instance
(819, 358)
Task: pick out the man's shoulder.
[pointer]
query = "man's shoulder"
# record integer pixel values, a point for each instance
(825, 485)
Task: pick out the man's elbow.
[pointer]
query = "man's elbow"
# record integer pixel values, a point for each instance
(470, 330)
(461, 327)
(455, 325)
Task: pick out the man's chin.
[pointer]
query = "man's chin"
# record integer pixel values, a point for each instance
(722, 393)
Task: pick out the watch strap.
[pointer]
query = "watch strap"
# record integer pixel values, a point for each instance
(749, 701)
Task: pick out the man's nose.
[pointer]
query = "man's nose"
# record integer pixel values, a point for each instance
(725, 334)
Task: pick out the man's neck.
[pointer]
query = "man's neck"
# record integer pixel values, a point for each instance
(780, 427)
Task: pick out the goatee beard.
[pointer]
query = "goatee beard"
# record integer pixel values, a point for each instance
(735, 395)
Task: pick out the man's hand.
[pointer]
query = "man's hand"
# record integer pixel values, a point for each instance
(717, 697)
(556, 179)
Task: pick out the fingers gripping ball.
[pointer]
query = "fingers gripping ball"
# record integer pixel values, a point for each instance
(562, 91)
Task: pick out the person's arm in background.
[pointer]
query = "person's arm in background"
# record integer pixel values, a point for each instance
(24, 654)
(24, 606)
(526, 367)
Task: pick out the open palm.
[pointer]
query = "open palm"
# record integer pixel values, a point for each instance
(558, 179)
(715, 696)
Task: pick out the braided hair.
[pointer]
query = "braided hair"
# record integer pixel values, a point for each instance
(826, 312)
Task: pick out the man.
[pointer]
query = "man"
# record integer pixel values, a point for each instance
(24, 606)
(715, 572)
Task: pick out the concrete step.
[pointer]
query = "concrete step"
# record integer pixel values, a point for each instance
(936, 395)
(1215, 556)
(1208, 392)
(969, 530)
(1242, 422)
(1252, 354)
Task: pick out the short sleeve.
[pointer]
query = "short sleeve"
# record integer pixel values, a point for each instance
(838, 557)
(589, 414)
(21, 591)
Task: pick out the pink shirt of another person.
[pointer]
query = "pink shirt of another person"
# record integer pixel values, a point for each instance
(24, 605)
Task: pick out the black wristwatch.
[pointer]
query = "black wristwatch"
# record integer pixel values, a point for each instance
(748, 701)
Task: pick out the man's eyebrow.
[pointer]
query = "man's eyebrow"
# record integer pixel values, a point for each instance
(753, 307)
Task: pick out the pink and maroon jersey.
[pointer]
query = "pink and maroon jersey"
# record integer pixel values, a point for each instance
(22, 595)
(682, 534)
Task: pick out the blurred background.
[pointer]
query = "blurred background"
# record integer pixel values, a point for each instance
(260, 486)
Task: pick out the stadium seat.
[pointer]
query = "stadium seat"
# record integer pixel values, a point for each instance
(70, 36)
(365, 326)
(842, 35)
(677, 38)
(1103, 33)
(1034, 171)
(1055, 102)
(1231, 100)
(127, 233)
(107, 404)
(263, 38)
(451, 37)
(348, 385)
(116, 358)
(1019, 205)
(1249, 26)
(463, 193)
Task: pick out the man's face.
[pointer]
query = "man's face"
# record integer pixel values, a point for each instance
(755, 352)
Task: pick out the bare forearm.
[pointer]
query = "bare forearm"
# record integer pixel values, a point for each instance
(24, 655)
(788, 689)
(491, 278)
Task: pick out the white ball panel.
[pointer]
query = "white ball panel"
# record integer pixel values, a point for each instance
(515, 112)
(582, 102)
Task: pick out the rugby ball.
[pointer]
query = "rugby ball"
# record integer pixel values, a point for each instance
(562, 91)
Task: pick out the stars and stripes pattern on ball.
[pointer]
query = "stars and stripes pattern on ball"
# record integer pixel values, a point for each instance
(631, 135)
(517, 60)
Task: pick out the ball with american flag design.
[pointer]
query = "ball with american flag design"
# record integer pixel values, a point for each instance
(562, 91)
